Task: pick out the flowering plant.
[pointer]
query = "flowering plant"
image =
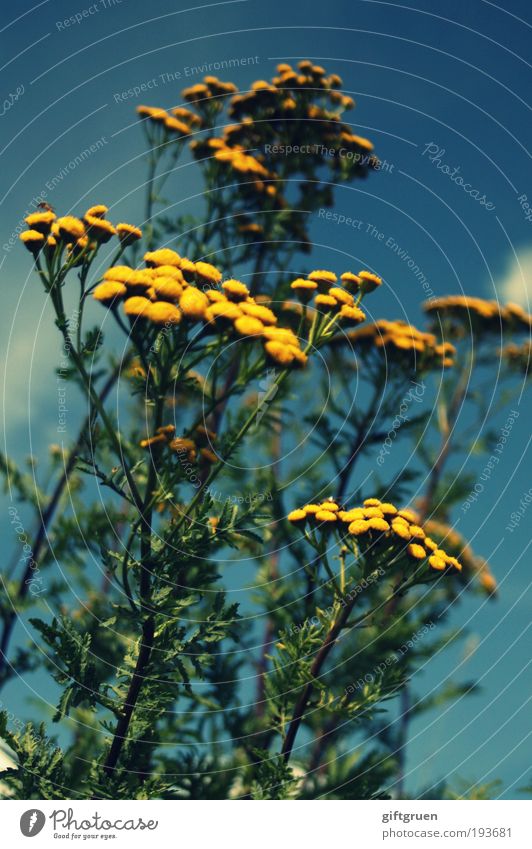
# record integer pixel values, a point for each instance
(177, 677)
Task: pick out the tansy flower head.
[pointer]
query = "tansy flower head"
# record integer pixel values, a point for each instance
(303, 288)
(167, 289)
(188, 269)
(341, 296)
(248, 326)
(32, 240)
(264, 314)
(99, 228)
(207, 273)
(324, 279)
(325, 302)
(235, 290)
(109, 291)
(128, 234)
(68, 228)
(324, 515)
(285, 355)
(369, 282)
(352, 315)
(416, 551)
(162, 312)
(99, 210)
(136, 306)
(176, 126)
(297, 516)
(193, 303)
(223, 312)
(162, 256)
(41, 221)
(350, 280)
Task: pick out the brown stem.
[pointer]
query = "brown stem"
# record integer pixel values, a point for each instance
(315, 669)
(119, 738)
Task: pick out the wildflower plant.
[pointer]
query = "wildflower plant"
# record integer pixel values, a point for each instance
(348, 592)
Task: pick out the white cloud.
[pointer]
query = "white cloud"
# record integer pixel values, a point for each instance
(516, 283)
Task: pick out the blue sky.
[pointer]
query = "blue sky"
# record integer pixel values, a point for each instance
(453, 87)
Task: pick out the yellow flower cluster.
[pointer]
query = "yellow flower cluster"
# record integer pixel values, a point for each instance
(259, 150)
(378, 522)
(180, 121)
(283, 93)
(80, 236)
(479, 313)
(456, 544)
(402, 342)
(198, 447)
(172, 288)
(329, 296)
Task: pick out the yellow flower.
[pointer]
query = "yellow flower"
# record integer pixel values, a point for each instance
(416, 551)
(401, 530)
(40, 221)
(136, 306)
(215, 296)
(167, 289)
(323, 278)
(417, 532)
(108, 291)
(341, 296)
(188, 268)
(369, 282)
(235, 290)
(163, 256)
(358, 527)
(128, 234)
(153, 113)
(68, 228)
(324, 515)
(168, 271)
(176, 126)
(373, 513)
(264, 314)
(248, 326)
(437, 563)
(32, 240)
(372, 502)
(99, 228)
(193, 303)
(207, 273)
(351, 515)
(195, 93)
(311, 509)
(100, 210)
(387, 508)
(297, 516)
(378, 524)
(285, 355)
(430, 544)
(303, 288)
(326, 302)
(281, 334)
(223, 312)
(409, 515)
(352, 315)
(161, 312)
(350, 280)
